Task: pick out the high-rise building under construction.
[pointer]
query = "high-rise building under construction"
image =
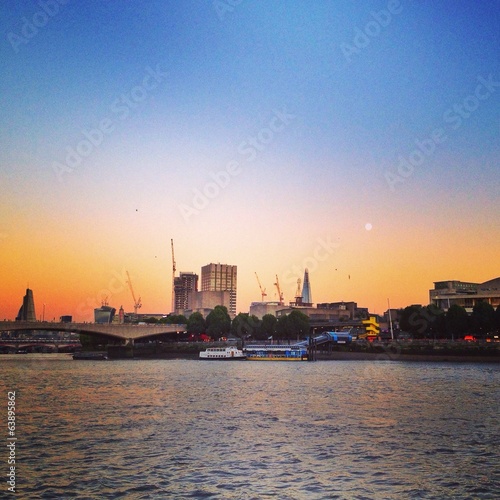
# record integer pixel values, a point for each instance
(183, 285)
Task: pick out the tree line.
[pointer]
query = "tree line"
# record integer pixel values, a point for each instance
(218, 324)
(420, 321)
(432, 322)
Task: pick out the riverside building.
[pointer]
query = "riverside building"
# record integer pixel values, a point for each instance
(465, 294)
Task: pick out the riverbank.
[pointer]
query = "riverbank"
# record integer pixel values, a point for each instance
(394, 352)
(388, 356)
(350, 356)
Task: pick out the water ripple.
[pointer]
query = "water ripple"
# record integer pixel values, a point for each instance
(165, 429)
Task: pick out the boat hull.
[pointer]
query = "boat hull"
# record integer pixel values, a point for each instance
(273, 358)
(239, 358)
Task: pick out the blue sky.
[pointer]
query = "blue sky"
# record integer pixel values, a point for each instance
(360, 83)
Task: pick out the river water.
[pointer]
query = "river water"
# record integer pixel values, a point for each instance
(252, 430)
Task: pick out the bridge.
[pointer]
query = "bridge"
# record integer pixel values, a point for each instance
(125, 332)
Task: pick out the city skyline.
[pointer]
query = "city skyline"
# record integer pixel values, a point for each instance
(28, 303)
(358, 140)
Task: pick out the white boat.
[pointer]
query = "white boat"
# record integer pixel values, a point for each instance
(223, 354)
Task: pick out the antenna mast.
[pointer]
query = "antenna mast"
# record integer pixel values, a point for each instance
(390, 319)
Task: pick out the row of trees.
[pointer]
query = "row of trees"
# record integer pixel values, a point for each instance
(421, 321)
(218, 324)
(432, 322)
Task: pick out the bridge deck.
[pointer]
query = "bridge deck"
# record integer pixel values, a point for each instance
(124, 331)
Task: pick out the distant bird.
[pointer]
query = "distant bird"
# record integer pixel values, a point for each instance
(349, 276)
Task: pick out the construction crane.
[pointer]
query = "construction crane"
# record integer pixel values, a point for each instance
(280, 293)
(137, 303)
(262, 291)
(173, 276)
(298, 294)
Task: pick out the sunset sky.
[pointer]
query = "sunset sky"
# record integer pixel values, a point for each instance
(358, 139)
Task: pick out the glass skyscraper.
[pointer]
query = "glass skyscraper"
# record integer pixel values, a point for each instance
(306, 289)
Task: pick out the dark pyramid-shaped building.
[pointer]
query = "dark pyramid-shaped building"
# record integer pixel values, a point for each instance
(27, 311)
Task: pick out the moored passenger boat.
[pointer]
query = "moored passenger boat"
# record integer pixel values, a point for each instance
(278, 352)
(222, 354)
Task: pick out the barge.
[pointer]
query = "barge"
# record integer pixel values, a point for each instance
(278, 352)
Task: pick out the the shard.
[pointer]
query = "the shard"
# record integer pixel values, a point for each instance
(306, 289)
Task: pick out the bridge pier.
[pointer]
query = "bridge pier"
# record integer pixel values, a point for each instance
(123, 351)
(311, 350)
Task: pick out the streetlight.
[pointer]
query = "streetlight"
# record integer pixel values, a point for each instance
(390, 319)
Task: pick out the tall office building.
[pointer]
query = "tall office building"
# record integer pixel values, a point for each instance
(27, 310)
(306, 289)
(183, 284)
(220, 278)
